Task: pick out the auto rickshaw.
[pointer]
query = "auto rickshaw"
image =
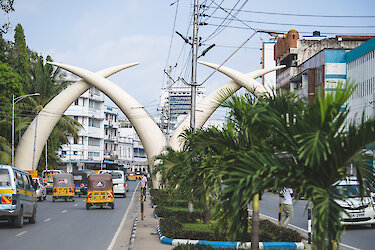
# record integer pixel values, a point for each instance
(131, 176)
(63, 187)
(80, 181)
(100, 191)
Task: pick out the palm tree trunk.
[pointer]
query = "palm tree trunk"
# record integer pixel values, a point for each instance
(207, 212)
(255, 224)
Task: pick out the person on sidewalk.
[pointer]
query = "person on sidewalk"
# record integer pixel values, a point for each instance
(288, 210)
(144, 185)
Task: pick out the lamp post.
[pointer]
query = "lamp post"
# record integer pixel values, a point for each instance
(14, 101)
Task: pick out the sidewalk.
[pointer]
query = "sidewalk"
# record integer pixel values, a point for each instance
(146, 236)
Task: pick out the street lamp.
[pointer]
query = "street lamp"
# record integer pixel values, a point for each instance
(14, 101)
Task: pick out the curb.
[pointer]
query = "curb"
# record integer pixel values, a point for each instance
(228, 244)
(132, 236)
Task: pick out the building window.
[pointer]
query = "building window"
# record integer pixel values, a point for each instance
(94, 123)
(93, 141)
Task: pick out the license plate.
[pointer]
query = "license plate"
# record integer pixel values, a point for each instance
(357, 215)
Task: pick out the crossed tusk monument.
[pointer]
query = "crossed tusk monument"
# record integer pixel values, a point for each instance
(152, 138)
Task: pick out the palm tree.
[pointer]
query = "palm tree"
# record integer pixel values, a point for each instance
(48, 82)
(242, 132)
(312, 149)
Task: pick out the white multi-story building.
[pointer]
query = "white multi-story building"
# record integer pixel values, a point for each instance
(175, 102)
(268, 61)
(101, 142)
(119, 144)
(135, 158)
(361, 71)
(86, 151)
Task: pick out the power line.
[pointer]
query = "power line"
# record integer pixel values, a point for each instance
(303, 25)
(171, 42)
(222, 26)
(303, 15)
(303, 32)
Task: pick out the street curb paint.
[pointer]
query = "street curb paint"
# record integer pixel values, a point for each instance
(228, 244)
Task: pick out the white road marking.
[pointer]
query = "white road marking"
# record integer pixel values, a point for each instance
(48, 219)
(21, 233)
(290, 225)
(64, 211)
(110, 247)
(75, 204)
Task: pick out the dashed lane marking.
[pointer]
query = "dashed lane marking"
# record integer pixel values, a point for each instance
(21, 233)
(75, 205)
(64, 211)
(48, 219)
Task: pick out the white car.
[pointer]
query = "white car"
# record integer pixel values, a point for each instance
(360, 211)
(41, 191)
(118, 180)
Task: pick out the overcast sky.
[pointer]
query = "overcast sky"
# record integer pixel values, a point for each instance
(98, 34)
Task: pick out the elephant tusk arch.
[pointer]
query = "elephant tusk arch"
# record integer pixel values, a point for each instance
(27, 154)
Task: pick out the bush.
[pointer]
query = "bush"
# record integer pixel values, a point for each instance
(172, 227)
(182, 215)
(269, 231)
(195, 247)
(159, 195)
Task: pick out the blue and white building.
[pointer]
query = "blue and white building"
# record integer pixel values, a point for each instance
(361, 71)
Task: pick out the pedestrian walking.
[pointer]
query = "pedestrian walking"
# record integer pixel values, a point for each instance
(144, 185)
(288, 210)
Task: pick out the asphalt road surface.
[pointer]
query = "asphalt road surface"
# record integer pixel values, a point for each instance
(358, 237)
(67, 225)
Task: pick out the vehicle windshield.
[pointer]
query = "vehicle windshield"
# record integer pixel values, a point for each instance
(50, 174)
(116, 175)
(351, 191)
(37, 181)
(4, 178)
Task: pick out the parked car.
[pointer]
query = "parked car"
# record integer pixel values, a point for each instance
(41, 191)
(359, 210)
(118, 179)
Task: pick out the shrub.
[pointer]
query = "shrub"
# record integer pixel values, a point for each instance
(269, 231)
(195, 247)
(182, 215)
(172, 228)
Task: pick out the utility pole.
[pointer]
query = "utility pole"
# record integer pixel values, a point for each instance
(194, 67)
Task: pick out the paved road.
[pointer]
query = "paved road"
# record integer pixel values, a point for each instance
(67, 225)
(359, 237)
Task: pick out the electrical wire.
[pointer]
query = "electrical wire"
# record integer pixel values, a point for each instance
(303, 32)
(222, 26)
(302, 25)
(302, 15)
(171, 42)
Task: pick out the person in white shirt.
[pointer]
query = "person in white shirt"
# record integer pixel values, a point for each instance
(288, 211)
(144, 185)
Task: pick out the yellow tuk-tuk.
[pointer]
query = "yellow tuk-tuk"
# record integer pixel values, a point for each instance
(63, 187)
(100, 191)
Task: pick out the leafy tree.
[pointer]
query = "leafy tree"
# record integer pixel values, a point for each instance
(20, 55)
(10, 83)
(7, 7)
(312, 149)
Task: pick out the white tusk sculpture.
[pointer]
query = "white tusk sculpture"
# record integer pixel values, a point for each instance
(27, 152)
(149, 133)
(211, 102)
(152, 138)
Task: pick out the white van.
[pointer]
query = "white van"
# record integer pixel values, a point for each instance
(118, 180)
(17, 196)
(360, 211)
